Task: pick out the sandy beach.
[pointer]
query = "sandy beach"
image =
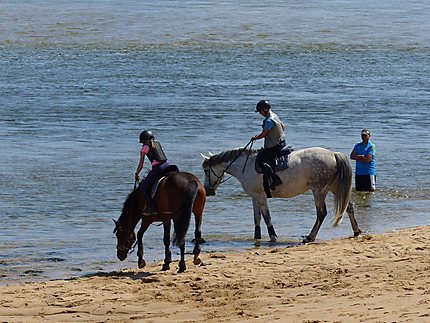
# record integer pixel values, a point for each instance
(372, 278)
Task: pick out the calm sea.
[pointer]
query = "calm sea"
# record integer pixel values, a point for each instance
(79, 80)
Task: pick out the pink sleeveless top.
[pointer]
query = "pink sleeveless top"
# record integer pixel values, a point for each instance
(144, 151)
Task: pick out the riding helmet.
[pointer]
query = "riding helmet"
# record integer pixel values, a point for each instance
(263, 105)
(145, 135)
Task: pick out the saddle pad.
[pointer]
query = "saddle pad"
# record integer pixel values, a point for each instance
(166, 171)
(281, 160)
(280, 163)
(155, 186)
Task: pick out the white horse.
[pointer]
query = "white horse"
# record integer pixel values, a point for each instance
(316, 169)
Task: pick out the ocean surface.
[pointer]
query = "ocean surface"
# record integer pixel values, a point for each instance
(79, 80)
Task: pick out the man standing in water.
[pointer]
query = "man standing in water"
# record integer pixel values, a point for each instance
(365, 171)
(274, 140)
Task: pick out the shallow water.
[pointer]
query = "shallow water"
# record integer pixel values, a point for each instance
(81, 80)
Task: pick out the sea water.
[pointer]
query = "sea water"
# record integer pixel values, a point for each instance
(80, 80)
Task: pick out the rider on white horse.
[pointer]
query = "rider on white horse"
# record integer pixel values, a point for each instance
(274, 141)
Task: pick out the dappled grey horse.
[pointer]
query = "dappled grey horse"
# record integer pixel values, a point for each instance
(316, 169)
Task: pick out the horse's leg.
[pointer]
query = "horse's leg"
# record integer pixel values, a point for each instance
(257, 219)
(182, 265)
(319, 198)
(350, 211)
(143, 227)
(198, 207)
(197, 239)
(166, 240)
(264, 209)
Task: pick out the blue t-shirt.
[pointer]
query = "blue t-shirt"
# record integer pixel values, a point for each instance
(268, 124)
(365, 168)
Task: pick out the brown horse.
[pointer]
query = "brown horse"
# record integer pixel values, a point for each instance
(178, 195)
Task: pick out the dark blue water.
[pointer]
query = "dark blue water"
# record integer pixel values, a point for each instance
(80, 81)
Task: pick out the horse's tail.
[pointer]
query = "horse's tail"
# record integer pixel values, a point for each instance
(342, 188)
(181, 226)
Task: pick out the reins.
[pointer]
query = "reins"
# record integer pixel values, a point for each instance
(132, 248)
(246, 160)
(219, 181)
(134, 245)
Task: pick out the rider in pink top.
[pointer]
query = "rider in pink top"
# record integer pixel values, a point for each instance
(153, 150)
(143, 152)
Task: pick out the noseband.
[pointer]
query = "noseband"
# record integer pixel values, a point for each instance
(124, 246)
(219, 178)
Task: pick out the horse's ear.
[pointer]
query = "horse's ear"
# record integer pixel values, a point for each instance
(205, 157)
(116, 226)
(210, 154)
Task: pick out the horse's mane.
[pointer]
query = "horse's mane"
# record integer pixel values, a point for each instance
(228, 155)
(126, 206)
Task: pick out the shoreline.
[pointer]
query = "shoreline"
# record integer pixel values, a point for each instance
(378, 277)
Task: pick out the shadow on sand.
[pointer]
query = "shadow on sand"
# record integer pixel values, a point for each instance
(145, 277)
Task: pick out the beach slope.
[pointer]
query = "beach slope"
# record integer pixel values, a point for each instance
(370, 278)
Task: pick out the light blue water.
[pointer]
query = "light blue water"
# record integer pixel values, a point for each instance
(80, 80)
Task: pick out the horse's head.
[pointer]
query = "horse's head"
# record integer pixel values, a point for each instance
(125, 238)
(124, 226)
(214, 174)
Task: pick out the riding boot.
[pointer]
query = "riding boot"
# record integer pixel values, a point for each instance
(274, 179)
(266, 186)
(149, 208)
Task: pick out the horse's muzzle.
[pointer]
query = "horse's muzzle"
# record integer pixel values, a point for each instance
(210, 192)
(121, 254)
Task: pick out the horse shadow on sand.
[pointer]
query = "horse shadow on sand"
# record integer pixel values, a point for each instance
(143, 276)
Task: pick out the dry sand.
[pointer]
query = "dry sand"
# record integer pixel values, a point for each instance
(372, 278)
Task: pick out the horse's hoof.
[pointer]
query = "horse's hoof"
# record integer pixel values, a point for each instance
(257, 233)
(272, 233)
(307, 240)
(141, 264)
(197, 261)
(165, 267)
(181, 269)
(356, 234)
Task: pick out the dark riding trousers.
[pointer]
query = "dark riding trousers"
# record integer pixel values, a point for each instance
(266, 155)
(146, 184)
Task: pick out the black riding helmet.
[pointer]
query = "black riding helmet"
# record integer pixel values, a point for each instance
(263, 105)
(145, 135)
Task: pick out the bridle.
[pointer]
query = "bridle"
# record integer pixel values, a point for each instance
(125, 245)
(219, 178)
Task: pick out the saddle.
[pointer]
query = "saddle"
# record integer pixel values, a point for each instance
(280, 162)
(169, 169)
